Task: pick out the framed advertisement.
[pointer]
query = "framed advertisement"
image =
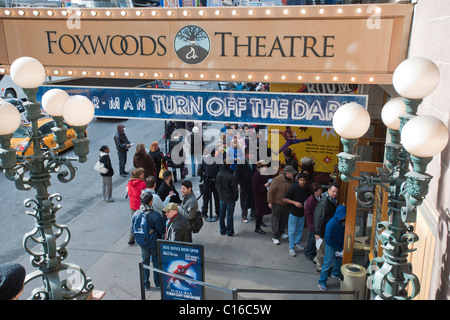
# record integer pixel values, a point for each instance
(186, 260)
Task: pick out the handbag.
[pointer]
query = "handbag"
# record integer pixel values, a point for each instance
(100, 167)
(161, 172)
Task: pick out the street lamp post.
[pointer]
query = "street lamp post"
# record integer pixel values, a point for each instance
(414, 139)
(77, 111)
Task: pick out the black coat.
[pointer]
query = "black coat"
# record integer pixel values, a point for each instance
(244, 176)
(322, 214)
(227, 185)
(106, 160)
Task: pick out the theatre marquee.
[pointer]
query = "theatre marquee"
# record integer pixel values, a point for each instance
(323, 44)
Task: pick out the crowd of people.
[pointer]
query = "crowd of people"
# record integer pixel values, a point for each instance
(291, 196)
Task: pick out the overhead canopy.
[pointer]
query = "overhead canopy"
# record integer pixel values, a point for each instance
(326, 44)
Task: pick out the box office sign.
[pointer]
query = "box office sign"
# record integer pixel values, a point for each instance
(317, 43)
(220, 106)
(186, 260)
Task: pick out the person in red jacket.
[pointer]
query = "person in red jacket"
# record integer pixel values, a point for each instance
(134, 189)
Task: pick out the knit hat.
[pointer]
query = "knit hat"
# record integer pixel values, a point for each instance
(12, 277)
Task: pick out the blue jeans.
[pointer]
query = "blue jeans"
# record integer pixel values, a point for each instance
(146, 254)
(295, 230)
(330, 260)
(226, 210)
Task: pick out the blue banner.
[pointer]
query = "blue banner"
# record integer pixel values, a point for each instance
(276, 108)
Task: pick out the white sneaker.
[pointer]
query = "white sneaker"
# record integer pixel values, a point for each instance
(299, 247)
(292, 253)
(275, 241)
(284, 236)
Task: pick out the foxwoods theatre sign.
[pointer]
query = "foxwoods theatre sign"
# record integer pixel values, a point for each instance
(297, 109)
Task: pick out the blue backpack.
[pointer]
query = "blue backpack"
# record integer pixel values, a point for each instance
(140, 228)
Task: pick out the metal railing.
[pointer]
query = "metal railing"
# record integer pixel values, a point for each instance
(235, 291)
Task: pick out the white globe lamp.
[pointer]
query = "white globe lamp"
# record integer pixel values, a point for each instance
(424, 136)
(416, 78)
(351, 121)
(78, 111)
(9, 118)
(27, 72)
(53, 100)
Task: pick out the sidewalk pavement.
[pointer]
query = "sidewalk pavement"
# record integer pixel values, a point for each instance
(99, 245)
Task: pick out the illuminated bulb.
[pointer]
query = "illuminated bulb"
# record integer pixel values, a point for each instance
(321, 11)
(303, 11)
(186, 75)
(359, 10)
(171, 75)
(268, 12)
(317, 78)
(378, 10)
(299, 77)
(70, 72)
(127, 74)
(123, 13)
(2, 70)
(7, 12)
(64, 13)
(93, 13)
(250, 77)
(283, 77)
(266, 77)
(285, 11)
(335, 78)
(202, 75)
(217, 76)
(138, 13)
(98, 73)
(185, 13)
(233, 76)
(156, 74)
(141, 74)
(352, 79)
(21, 12)
(84, 73)
(340, 10)
(371, 79)
(50, 13)
(234, 12)
(217, 12)
(112, 73)
(56, 72)
(36, 13)
(251, 12)
(79, 13)
(201, 12)
(154, 13)
(108, 13)
(169, 13)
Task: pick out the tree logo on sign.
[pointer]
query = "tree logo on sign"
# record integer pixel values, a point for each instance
(192, 44)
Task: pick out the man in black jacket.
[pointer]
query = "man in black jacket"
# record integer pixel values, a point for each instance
(227, 187)
(322, 214)
(122, 145)
(207, 171)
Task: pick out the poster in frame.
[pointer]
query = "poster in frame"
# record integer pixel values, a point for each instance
(185, 259)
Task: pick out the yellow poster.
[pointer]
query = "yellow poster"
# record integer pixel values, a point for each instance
(319, 144)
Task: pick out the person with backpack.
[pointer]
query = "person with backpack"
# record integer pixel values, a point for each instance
(147, 226)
